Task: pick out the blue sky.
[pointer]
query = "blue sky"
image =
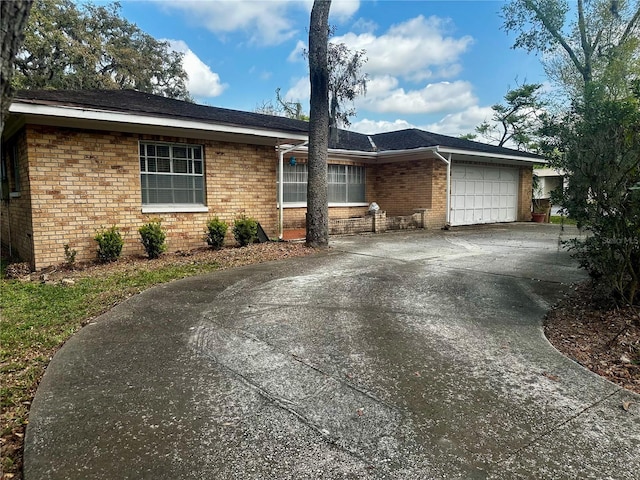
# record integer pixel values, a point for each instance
(435, 65)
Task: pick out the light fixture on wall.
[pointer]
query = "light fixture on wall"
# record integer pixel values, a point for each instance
(292, 161)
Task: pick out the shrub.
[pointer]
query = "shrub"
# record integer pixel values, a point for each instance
(109, 244)
(245, 230)
(153, 238)
(215, 232)
(600, 145)
(69, 255)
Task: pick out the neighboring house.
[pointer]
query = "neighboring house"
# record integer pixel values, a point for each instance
(549, 179)
(76, 161)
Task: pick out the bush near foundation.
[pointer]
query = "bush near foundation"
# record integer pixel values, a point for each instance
(109, 244)
(245, 230)
(215, 232)
(153, 238)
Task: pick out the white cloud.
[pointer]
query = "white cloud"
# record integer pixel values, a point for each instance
(411, 49)
(371, 127)
(380, 86)
(300, 92)
(202, 82)
(383, 97)
(296, 53)
(364, 25)
(459, 123)
(454, 124)
(267, 23)
(343, 10)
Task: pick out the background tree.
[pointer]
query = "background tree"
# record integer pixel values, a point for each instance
(346, 82)
(596, 139)
(599, 44)
(516, 121)
(317, 190)
(282, 108)
(599, 145)
(13, 19)
(92, 47)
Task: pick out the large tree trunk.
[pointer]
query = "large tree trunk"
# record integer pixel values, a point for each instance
(13, 18)
(317, 195)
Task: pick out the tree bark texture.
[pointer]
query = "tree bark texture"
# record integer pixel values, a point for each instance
(317, 194)
(13, 18)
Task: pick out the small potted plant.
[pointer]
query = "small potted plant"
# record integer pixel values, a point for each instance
(539, 214)
(540, 206)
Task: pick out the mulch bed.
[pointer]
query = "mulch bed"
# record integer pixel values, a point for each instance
(604, 339)
(228, 257)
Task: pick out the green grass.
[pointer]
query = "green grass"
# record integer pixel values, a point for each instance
(559, 219)
(36, 319)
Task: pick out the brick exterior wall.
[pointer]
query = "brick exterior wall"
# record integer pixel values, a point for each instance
(398, 188)
(296, 217)
(82, 180)
(436, 216)
(401, 187)
(525, 194)
(75, 181)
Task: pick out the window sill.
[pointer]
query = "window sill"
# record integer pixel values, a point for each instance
(331, 205)
(14, 195)
(354, 204)
(162, 208)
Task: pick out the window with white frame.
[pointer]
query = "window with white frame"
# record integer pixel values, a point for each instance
(346, 184)
(171, 174)
(295, 183)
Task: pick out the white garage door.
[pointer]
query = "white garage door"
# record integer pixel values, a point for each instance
(483, 194)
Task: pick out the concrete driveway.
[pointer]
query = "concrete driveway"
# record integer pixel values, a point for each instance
(403, 356)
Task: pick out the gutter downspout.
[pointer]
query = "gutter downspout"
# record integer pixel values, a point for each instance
(281, 154)
(448, 187)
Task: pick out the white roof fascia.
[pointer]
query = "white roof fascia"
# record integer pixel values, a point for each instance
(336, 152)
(497, 156)
(150, 120)
(408, 151)
(436, 150)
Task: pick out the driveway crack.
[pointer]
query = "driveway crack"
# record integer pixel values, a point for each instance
(556, 427)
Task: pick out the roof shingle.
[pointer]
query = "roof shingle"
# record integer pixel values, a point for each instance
(131, 101)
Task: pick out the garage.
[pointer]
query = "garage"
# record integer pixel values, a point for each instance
(482, 194)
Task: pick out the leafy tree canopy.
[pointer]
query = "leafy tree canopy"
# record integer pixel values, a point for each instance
(590, 40)
(69, 46)
(515, 121)
(597, 144)
(282, 108)
(346, 81)
(595, 137)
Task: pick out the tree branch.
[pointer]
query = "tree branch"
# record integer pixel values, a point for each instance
(555, 34)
